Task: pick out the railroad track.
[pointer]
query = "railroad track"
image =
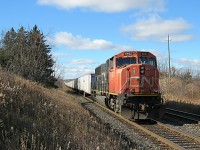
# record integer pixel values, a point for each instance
(183, 140)
(185, 116)
(164, 136)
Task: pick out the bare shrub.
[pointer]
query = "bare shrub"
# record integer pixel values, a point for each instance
(183, 86)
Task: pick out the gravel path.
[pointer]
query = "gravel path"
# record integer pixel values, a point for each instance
(131, 136)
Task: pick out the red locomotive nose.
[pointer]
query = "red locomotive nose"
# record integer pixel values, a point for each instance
(140, 78)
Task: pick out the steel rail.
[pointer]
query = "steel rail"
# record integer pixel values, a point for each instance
(185, 118)
(184, 115)
(183, 112)
(173, 135)
(179, 132)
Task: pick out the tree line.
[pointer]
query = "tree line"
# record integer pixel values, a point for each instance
(26, 54)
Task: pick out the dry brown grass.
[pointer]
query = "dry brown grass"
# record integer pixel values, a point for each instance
(179, 90)
(32, 117)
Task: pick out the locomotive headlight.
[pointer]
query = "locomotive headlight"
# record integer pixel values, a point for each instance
(134, 71)
(142, 69)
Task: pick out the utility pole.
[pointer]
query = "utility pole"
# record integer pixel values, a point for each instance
(169, 75)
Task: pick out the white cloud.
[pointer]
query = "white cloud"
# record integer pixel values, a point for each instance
(157, 29)
(108, 5)
(80, 43)
(180, 38)
(193, 63)
(60, 54)
(82, 61)
(74, 72)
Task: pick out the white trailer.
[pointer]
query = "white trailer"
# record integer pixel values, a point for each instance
(70, 84)
(85, 83)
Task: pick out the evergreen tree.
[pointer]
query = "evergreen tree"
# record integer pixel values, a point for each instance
(26, 53)
(3, 59)
(42, 61)
(21, 59)
(7, 50)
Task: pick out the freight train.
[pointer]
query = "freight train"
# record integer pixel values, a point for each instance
(129, 79)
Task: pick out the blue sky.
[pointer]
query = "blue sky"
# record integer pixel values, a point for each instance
(84, 33)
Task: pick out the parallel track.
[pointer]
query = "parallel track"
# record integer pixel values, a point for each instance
(165, 137)
(188, 117)
(183, 140)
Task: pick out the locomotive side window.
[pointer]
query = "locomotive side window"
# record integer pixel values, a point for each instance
(150, 61)
(111, 63)
(125, 61)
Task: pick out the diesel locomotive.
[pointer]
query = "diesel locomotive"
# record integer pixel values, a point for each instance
(129, 79)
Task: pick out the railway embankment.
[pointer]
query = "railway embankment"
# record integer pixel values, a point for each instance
(33, 117)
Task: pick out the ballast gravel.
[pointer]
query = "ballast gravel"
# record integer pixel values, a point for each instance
(192, 129)
(132, 136)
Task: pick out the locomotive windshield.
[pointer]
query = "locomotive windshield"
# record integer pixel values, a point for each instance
(125, 61)
(150, 61)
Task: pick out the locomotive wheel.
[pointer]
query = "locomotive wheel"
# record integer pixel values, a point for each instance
(135, 112)
(117, 106)
(93, 96)
(112, 103)
(107, 102)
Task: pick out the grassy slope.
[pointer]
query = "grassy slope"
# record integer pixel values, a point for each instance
(38, 118)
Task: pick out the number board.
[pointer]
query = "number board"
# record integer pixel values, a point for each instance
(144, 54)
(128, 53)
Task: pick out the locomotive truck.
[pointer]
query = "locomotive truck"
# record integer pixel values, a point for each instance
(130, 79)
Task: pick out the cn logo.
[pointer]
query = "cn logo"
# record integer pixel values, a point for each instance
(145, 80)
